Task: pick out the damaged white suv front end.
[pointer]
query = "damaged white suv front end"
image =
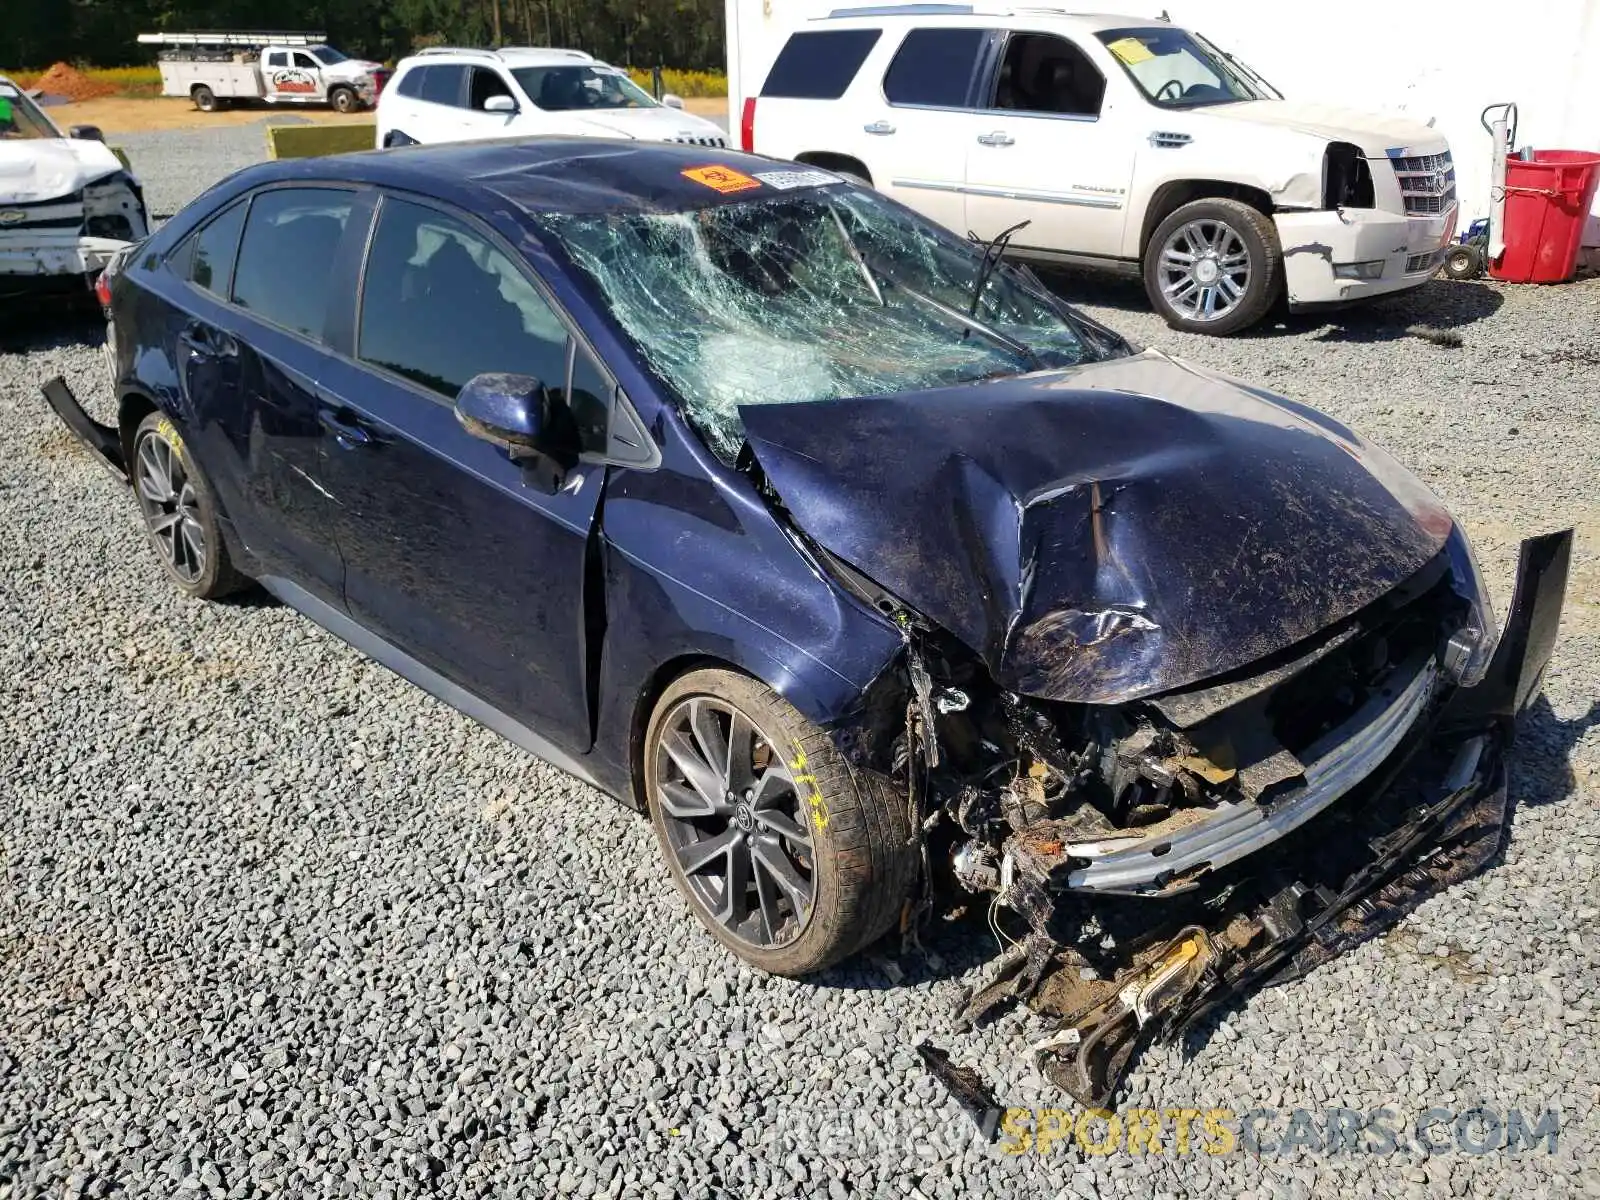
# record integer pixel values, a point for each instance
(67, 204)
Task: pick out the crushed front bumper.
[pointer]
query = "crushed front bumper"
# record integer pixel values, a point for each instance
(1431, 813)
(1410, 249)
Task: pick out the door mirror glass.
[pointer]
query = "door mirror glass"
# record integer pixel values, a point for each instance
(499, 104)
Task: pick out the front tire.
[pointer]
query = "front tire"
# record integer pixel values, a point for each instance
(1214, 266)
(343, 100)
(180, 512)
(786, 855)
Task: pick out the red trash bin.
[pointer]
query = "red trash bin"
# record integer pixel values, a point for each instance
(1547, 204)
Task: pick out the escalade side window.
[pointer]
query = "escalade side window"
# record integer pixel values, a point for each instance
(1043, 73)
(819, 64)
(935, 67)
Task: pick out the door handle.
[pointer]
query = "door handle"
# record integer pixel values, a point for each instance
(346, 428)
(996, 139)
(878, 127)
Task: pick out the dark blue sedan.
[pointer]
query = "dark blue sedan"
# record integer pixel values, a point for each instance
(874, 573)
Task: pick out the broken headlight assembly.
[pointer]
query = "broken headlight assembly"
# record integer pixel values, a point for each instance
(113, 208)
(1471, 648)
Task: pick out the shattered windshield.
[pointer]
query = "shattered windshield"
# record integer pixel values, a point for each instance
(20, 118)
(812, 296)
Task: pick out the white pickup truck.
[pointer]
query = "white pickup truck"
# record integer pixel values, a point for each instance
(214, 68)
(1097, 140)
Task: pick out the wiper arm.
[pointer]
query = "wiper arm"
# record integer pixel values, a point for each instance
(991, 259)
(972, 324)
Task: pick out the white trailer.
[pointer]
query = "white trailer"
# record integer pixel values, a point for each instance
(215, 68)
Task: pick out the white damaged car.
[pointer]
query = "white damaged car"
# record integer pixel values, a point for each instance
(67, 202)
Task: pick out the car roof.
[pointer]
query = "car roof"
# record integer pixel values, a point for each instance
(554, 174)
(1092, 22)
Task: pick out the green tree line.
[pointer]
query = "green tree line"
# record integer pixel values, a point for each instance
(645, 33)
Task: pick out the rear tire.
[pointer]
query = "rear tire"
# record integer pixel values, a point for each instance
(1213, 266)
(807, 859)
(343, 100)
(204, 98)
(180, 512)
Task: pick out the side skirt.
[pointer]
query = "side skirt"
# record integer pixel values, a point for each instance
(342, 626)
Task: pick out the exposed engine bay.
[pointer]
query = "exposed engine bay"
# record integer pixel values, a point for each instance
(1145, 862)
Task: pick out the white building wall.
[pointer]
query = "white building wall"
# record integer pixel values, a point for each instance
(1444, 64)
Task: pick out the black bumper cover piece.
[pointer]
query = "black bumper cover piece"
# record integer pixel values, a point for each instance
(1434, 815)
(101, 439)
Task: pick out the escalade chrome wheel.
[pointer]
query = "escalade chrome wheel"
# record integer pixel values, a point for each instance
(1213, 266)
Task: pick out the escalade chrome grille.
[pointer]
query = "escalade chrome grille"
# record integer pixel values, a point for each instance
(1427, 183)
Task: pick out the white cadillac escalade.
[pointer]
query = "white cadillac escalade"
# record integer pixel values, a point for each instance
(1121, 142)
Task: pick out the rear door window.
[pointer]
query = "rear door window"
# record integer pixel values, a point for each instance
(290, 239)
(819, 64)
(441, 304)
(936, 67)
(215, 248)
(444, 83)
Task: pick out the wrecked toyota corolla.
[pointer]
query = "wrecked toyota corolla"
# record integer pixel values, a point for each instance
(882, 579)
(67, 203)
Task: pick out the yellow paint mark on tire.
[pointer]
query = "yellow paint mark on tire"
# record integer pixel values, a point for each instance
(807, 785)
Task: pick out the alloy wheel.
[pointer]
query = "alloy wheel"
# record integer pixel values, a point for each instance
(1204, 269)
(171, 507)
(735, 822)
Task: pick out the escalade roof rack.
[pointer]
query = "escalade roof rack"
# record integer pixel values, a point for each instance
(907, 10)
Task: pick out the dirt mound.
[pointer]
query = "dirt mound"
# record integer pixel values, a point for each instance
(63, 79)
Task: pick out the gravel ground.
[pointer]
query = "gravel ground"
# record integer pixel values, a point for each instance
(275, 922)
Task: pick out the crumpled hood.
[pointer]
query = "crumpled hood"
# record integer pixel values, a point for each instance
(1106, 532)
(1377, 135)
(44, 168)
(649, 124)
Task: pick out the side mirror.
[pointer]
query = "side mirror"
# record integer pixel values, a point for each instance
(86, 133)
(519, 413)
(500, 104)
(672, 101)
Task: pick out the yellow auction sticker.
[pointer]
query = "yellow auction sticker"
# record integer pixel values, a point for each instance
(1130, 50)
(721, 179)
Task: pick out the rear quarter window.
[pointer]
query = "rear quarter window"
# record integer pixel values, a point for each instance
(215, 248)
(819, 64)
(410, 83)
